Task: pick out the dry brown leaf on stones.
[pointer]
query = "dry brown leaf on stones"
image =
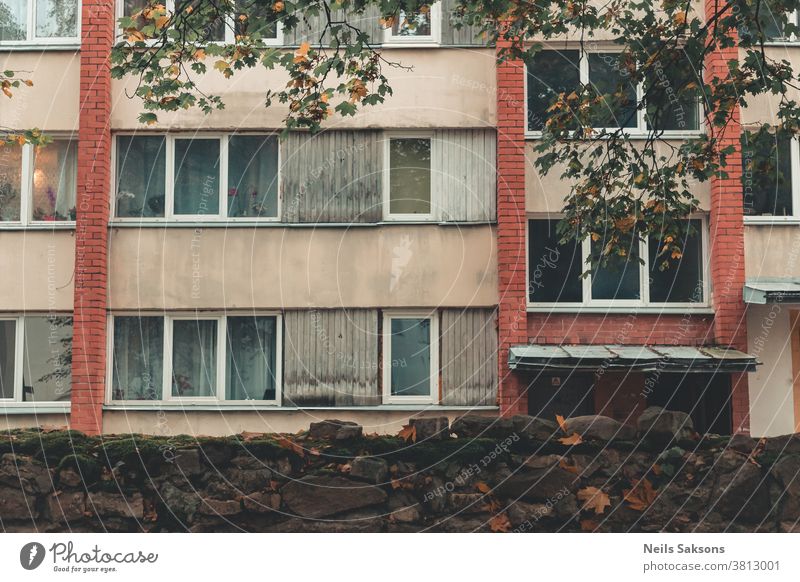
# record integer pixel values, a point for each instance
(573, 439)
(641, 496)
(408, 433)
(500, 523)
(594, 499)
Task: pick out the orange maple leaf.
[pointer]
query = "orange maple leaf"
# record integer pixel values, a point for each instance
(589, 525)
(594, 499)
(292, 446)
(641, 496)
(573, 439)
(500, 523)
(561, 423)
(567, 467)
(482, 487)
(249, 436)
(408, 433)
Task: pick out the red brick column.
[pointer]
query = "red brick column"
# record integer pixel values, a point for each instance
(512, 314)
(727, 240)
(91, 236)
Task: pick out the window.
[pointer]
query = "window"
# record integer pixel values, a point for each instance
(38, 184)
(769, 165)
(196, 177)
(770, 24)
(36, 359)
(672, 103)
(251, 18)
(196, 358)
(409, 180)
(422, 27)
(665, 279)
(410, 358)
(39, 21)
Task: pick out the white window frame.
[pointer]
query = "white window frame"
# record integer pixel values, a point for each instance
(794, 217)
(433, 317)
(388, 216)
(32, 40)
(640, 130)
(26, 190)
(222, 344)
(230, 36)
(434, 38)
(169, 186)
(622, 305)
(19, 364)
(794, 18)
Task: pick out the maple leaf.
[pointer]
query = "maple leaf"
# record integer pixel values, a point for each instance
(249, 436)
(567, 467)
(561, 423)
(641, 496)
(573, 439)
(482, 487)
(408, 433)
(292, 446)
(500, 523)
(594, 499)
(589, 525)
(396, 484)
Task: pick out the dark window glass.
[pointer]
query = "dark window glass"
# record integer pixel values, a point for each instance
(550, 73)
(618, 278)
(672, 96)
(141, 171)
(767, 174)
(677, 279)
(255, 20)
(411, 357)
(8, 343)
(553, 269)
(197, 176)
(609, 78)
(253, 176)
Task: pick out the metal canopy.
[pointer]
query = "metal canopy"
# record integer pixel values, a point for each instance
(640, 358)
(761, 291)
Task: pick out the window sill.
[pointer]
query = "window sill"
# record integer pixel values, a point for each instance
(34, 46)
(135, 223)
(771, 220)
(628, 310)
(39, 226)
(636, 136)
(239, 407)
(28, 408)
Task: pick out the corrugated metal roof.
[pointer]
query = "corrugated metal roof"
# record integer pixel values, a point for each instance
(639, 357)
(761, 291)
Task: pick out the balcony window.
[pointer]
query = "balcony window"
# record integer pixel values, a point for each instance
(410, 363)
(409, 183)
(39, 22)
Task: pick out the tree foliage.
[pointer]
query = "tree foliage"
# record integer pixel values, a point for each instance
(626, 186)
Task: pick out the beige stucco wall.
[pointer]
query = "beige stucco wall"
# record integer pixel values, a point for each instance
(771, 389)
(36, 269)
(446, 88)
(772, 251)
(409, 266)
(52, 103)
(763, 108)
(11, 421)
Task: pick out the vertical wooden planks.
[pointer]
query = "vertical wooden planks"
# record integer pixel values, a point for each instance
(466, 179)
(469, 357)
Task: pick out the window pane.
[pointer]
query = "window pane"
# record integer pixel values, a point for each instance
(253, 176)
(13, 19)
(411, 357)
(549, 74)
(682, 279)
(609, 78)
(619, 277)
(410, 176)
(196, 176)
(47, 359)
(8, 342)
(553, 269)
(55, 178)
(138, 358)
(131, 7)
(10, 182)
(141, 176)
(412, 24)
(767, 174)
(56, 18)
(250, 371)
(258, 21)
(194, 357)
(673, 98)
(771, 21)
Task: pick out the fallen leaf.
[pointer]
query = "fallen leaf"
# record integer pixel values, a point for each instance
(482, 487)
(594, 499)
(396, 484)
(345, 468)
(408, 433)
(657, 470)
(569, 468)
(573, 439)
(589, 525)
(561, 423)
(249, 436)
(641, 496)
(500, 523)
(292, 446)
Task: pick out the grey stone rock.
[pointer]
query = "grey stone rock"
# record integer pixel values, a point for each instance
(467, 502)
(534, 428)
(664, 426)
(67, 507)
(740, 494)
(318, 496)
(262, 502)
(537, 485)
(333, 429)
(477, 426)
(249, 480)
(539, 461)
(16, 504)
(20, 471)
(601, 428)
(524, 516)
(372, 469)
(187, 463)
(180, 503)
(349, 432)
(404, 508)
(787, 471)
(114, 504)
(788, 444)
(69, 477)
(743, 444)
(431, 429)
(220, 507)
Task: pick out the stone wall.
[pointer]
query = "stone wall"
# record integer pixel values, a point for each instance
(480, 474)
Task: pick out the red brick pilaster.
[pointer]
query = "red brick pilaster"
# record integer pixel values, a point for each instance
(512, 314)
(91, 236)
(727, 239)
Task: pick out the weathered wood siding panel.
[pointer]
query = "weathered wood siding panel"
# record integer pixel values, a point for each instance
(310, 28)
(467, 180)
(334, 176)
(469, 357)
(454, 36)
(331, 358)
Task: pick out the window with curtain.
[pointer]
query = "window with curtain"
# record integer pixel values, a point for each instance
(194, 357)
(250, 372)
(10, 182)
(141, 176)
(138, 358)
(410, 356)
(197, 176)
(47, 359)
(55, 181)
(8, 350)
(409, 176)
(253, 176)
